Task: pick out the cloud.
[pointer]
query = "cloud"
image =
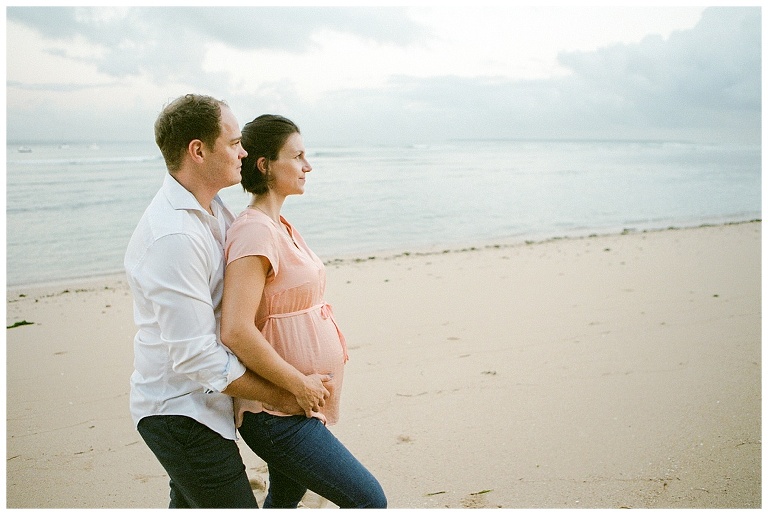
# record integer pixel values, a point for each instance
(715, 66)
(54, 86)
(698, 84)
(169, 42)
(703, 83)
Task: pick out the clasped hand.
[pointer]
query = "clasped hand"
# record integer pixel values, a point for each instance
(313, 393)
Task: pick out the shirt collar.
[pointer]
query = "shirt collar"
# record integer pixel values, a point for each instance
(180, 197)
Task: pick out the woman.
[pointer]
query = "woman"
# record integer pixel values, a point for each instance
(275, 320)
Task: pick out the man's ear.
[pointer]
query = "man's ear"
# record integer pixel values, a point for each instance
(195, 150)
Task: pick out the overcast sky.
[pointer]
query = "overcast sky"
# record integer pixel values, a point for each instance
(352, 75)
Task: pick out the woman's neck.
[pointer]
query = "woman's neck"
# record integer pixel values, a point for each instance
(268, 204)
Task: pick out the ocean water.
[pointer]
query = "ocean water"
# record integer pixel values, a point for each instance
(71, 209)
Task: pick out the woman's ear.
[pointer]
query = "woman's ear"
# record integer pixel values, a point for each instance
(261, 164)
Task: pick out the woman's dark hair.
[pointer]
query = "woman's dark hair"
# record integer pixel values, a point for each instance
(263, 137)
(185, 119)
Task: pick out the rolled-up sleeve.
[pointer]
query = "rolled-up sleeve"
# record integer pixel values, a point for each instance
(181, 298)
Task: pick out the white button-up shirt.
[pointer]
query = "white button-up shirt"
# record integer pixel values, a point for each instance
(175, 269)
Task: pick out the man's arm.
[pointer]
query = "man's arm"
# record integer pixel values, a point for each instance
(173, 276)
(251, 386)
(181, 298)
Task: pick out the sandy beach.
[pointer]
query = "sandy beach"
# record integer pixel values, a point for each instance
(618, 371)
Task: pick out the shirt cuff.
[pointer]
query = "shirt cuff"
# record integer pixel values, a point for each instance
(234, 369)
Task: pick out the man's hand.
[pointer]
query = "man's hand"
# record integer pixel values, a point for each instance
(254, 387)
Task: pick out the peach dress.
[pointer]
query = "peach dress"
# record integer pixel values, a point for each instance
(293, 315)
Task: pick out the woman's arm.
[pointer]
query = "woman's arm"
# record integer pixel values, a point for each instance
(244, 282)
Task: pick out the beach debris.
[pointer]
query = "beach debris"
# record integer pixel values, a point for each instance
(257, 483)
(475, 499)
(489, 372)
(404, 439)
(436, 493)
(410, 394)
(19, 324)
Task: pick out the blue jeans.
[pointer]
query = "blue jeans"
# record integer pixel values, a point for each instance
(302, 454)
(206, 469)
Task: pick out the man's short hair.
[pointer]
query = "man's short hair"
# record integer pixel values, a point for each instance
(186, 119)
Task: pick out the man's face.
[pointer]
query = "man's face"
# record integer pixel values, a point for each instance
(225, 160)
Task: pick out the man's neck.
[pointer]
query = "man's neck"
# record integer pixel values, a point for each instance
(198, 188)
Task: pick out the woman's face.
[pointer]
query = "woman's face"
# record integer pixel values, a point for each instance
(290, 168)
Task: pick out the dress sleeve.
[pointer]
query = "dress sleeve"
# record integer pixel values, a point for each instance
(252, 237)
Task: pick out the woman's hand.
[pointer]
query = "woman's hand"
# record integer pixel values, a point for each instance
(312, 393)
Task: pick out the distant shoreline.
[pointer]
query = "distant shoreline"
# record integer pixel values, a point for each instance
(118, 276)
(16, 142)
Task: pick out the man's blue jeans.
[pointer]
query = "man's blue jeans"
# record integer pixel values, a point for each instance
(206, 469)
(302, 454)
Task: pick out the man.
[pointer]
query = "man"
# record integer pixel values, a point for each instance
(184, 378)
